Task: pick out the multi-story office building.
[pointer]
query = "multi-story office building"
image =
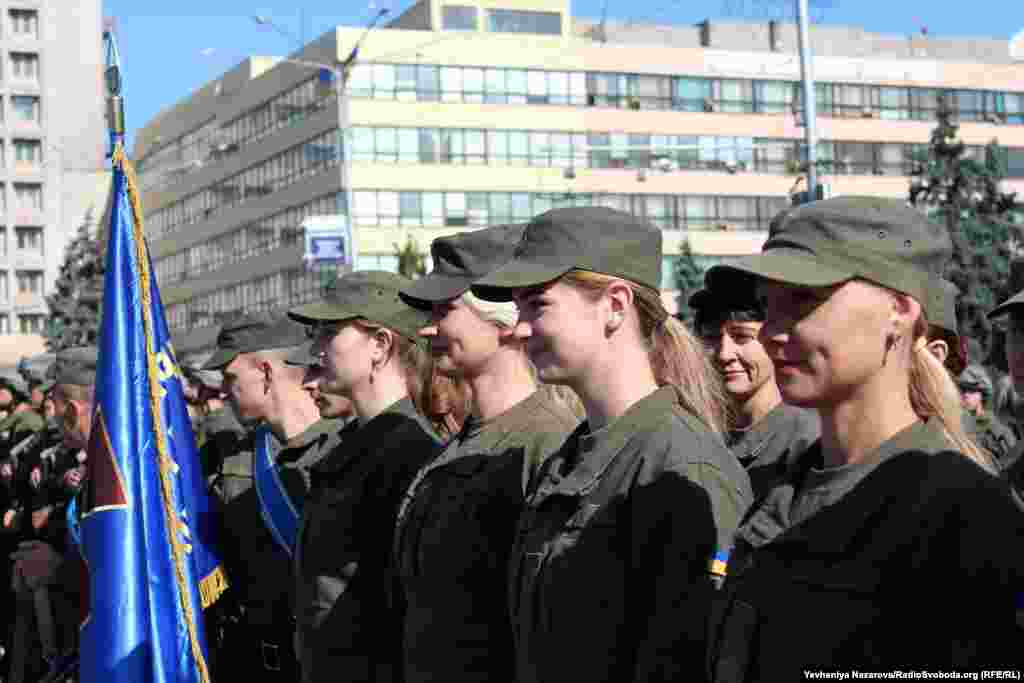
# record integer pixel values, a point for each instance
(472, 114)
(51, 153)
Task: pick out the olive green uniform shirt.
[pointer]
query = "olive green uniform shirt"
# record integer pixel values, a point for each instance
(259, 570)
(768, 447)
(610, 570)
(454, 534)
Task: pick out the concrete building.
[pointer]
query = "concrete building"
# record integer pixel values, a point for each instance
(464, 115)
(51, 153)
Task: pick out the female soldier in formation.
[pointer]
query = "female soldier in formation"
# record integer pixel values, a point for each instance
(365, 339)
(457, 524)
(889, 545)
(610, 570)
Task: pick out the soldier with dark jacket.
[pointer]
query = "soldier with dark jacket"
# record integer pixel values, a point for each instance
(980, 421)
(765, 434)
(457, 523)
(842, 559)
(260, 489)
(627, 524)
(1013, 311)
(365, 341)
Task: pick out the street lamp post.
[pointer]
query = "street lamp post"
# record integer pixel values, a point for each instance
(338, 74)
(810, 101)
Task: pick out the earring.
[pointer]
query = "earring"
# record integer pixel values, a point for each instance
(891, 340)
(617, 318)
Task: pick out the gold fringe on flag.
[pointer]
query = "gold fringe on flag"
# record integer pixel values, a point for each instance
(213, 586)
(167, 465)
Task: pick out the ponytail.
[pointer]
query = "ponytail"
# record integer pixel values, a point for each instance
(933, 394)
(677, 357)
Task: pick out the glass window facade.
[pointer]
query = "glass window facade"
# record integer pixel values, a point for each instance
(458, 18)
(522, 21)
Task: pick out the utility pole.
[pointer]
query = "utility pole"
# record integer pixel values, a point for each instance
(810, 100)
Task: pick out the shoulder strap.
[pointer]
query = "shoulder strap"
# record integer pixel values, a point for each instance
(280, 513)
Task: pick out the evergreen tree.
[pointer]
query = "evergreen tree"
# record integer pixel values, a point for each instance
(75, 302)
(689, 278)
(964, 194)
(411, 262)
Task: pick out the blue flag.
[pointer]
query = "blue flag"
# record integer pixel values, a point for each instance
(145, 514)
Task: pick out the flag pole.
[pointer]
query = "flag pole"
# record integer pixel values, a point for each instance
(167, 467)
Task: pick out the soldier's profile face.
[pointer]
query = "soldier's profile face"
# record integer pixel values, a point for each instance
(6, 398)
(824, 342)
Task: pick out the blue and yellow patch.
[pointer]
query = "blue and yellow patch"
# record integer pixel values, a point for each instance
(719, 564)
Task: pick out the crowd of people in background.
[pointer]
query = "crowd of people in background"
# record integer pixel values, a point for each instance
(520, 467)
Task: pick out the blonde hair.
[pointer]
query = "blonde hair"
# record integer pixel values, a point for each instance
(677, 357)
(502, 313)
(413, 361)
(506, 314)
(933, 394)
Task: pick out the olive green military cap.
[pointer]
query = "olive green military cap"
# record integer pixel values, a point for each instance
(254, 332)
(371, 295)
(192, 368)
(974, 378)
(832, 241)
(459, 261)
(584, 238)
(302, 356)
(941, 307)
(76, 365)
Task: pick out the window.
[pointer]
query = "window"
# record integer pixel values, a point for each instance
(735, 96)
(5, 321)
(894, 103)
(3, 244)
(30, 281)
(31, 323)
(3, 286)
(519, 21)
(692, 94)
(28, 151)
(24, 23)
(25, 66)
(774, 97)
(25, 108)
(30, 239)
(458, 18)
(28, 196)
(1014, 163)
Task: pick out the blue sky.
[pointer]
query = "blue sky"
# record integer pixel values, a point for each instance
(166, 47)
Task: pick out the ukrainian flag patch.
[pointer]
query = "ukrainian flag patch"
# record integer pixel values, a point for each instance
(719, 563)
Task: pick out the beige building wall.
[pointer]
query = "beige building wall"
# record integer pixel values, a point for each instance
(415, 38)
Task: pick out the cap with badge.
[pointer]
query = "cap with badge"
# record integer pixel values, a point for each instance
(371, 295)
(589, 238)
(254, 332)
(76, 365)
(461, 260)
(832, 241)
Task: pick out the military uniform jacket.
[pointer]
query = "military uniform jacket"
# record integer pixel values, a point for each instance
(259, 570)
(990, 434)
(774, 443)
(609, 573)
(344, 568)
(911, 559)
(454, 535)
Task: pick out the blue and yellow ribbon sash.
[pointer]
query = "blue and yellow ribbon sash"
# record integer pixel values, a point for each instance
(280, 513)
